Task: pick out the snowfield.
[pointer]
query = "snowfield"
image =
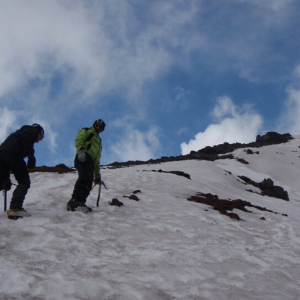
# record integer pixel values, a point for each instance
(161, 247)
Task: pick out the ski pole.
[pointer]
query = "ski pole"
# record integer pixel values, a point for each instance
(4, 192)
(5, 199)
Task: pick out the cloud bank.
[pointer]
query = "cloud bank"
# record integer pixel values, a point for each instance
(136, 145)
(7, 121)
(233, 125)
(58, 57)
(62, 60)
(289, 120)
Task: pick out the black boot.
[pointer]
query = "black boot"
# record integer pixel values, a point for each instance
(74, 205)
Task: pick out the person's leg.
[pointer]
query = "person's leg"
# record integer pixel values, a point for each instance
(82, 187)
(84, 182)
(4, 171)
(19, 169)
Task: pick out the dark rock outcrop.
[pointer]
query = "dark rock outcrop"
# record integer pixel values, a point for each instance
(270, 138)
(225, 205)
(268, 188)
(115, 202)
(132, 197)
(179, 173)
(61, 169)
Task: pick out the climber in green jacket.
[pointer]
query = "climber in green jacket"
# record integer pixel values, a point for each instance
(87, 162)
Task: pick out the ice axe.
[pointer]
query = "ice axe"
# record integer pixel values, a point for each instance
(99, 192)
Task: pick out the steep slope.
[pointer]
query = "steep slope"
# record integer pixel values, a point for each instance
(162, 246)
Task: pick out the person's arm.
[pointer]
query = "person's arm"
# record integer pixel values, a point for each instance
(28, 139)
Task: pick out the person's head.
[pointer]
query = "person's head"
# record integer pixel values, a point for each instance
(40, 131)
(99, 125)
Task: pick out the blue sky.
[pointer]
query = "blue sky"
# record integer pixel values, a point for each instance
(167, 77)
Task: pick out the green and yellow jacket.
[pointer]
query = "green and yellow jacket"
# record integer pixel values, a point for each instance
(88, 140)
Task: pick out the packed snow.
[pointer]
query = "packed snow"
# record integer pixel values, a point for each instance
(161, 247)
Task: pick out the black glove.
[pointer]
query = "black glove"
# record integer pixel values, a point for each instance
(97, 179)
(31, 161)
(6, 185)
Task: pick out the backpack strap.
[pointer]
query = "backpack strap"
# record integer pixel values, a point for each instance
(90, 135)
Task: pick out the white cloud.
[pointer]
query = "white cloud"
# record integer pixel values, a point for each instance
(97, 47)
(289, 119)
(8, 120)
(270, 5)
(297, 73)
(232, 126)
(224, 107)
(59, 56)
(93, 45)
(50, 137)
(136, 145)
(182, 97)
(182, 130)
(40, 38)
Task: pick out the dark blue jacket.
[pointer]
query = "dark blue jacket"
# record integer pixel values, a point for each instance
(21, 142)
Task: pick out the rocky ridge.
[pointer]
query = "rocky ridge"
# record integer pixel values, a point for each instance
(211, 153)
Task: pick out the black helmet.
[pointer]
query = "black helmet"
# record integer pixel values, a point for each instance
(100, 122)
(40, 129)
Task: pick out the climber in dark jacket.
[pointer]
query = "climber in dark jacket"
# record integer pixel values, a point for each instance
(13, 150)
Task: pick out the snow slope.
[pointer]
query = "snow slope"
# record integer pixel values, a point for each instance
(163, 246)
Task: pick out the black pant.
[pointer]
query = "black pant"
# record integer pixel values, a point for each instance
(84, 182)
(15, 163)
